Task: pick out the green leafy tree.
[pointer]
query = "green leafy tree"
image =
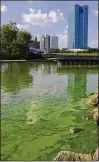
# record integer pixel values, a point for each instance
(93, 50)
(23, 40)
(64, 50)
(54, 50)
(13, 40)
(8, 36)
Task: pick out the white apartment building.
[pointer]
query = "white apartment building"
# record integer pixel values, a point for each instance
(42, 42)
(53, 42)
(48, 42)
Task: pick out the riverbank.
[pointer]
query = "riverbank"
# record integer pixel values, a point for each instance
(66, 59)
(75, 54)
(72, 156)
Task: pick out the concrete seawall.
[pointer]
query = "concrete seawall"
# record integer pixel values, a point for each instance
(92, 60)
(71, 60)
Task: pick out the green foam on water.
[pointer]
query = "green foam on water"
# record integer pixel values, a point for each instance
(34, 122)
(27, 140)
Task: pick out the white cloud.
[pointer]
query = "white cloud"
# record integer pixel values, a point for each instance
(93, 43)
(63, 39)
(67, 27)
(42, 19)
(23, 26)
(3, 8)
(30, 1)
(95, 12)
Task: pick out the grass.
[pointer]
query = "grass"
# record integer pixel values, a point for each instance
(75, 54)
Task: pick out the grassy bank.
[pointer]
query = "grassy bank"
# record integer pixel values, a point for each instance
(75, 54)
(31, 56)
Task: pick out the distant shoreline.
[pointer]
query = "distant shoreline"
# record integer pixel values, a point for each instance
(68, 59)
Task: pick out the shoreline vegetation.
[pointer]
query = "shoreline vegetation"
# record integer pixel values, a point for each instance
(93, 101)
(76, 54)
(31, 56)
(43, 56)
(52, 58)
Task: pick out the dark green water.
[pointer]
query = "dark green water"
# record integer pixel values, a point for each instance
(39, 103)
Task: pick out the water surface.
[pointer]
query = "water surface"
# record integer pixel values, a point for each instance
(39, 103)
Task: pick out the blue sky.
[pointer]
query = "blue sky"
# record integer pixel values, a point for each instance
(49, 17)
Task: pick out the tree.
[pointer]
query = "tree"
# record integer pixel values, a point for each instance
(54, 50)
(64, 50)
(91, 50)
(23, 40)
(8, 36)
(15, 41)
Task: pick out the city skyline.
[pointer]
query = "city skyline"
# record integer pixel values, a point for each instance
(49, 18)
(48, 42)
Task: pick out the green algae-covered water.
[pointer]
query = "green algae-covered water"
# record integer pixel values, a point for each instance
(39, 103)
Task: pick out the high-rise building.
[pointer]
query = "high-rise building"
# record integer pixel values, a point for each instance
(47, 42)
(42, 42)
(38, 45)
(78, 27)
(53, 42)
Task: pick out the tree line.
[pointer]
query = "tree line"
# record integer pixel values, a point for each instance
(65, 50)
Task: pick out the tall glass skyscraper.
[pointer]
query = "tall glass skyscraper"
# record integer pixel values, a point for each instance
(78, 27)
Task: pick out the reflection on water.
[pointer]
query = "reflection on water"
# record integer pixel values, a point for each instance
(15, 77)
(77, 86)
(40, 101)
(48, 69)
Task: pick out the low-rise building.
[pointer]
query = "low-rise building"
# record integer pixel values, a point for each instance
(34, 43)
